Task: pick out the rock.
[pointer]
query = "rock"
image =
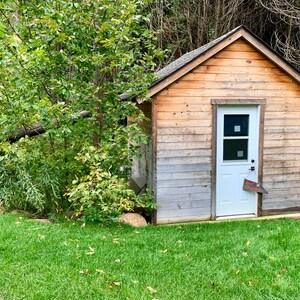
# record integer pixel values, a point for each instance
(71, 214)
(45, 221)
(133, 219)
(21, 212)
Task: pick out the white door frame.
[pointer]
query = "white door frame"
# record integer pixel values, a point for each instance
(261, 105)
(231, 200)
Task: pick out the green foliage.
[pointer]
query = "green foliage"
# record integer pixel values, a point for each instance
(100, 195)
(25, 184)
(58, 58)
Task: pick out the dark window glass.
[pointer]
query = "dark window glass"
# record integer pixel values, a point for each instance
(236, 125)
(235, 149)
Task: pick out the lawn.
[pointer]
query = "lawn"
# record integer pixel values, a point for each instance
(229, 260)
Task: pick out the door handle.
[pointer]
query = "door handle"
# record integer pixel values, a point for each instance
(252, 169)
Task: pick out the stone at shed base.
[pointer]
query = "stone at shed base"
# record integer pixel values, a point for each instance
(45, 221)
(133, 219)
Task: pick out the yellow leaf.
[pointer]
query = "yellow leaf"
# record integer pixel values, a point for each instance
(245, 254)
(91, 252)
(100, 271)
(164, 251)
(278, 276)
(248, 243)
(151, 289)
(271, 258)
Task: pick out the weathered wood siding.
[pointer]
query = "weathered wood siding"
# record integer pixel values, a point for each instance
(142, 165)
(183, 132)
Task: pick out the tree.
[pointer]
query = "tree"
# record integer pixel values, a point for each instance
(57, 59)
(187, 25)
(285, 17)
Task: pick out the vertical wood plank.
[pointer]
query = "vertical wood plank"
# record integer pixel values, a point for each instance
(261, 154)
(213, 161)
(154, 156)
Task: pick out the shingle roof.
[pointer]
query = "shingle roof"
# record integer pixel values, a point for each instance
(189, 57)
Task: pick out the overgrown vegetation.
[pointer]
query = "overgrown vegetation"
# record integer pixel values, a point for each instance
(57, 59)
(233, 260)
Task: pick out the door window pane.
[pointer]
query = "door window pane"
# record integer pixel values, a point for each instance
(235, 149)
(236, 125)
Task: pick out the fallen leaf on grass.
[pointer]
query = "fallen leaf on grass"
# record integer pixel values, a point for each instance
(18, 222)
(116, 241)
(91, 252)
(86, 271)
(248, 243)
(41, 236)
(284, 270)
(245, 254)
(250, 283)
(151, 289)
(82, 226)
(164, 251)
(212, 283)
(100, 271)
(278, 276)
(117, 260)
(116, 283)
(237, 272)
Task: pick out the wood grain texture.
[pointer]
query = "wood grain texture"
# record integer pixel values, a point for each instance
(239, 74)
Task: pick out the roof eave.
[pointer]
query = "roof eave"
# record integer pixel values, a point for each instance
(239, 32)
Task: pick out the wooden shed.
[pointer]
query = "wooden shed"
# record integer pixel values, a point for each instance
(225, 112)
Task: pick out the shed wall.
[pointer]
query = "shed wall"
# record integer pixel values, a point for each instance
(183, 114)
(141, 173)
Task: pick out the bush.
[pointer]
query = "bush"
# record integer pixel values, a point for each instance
(102, 196)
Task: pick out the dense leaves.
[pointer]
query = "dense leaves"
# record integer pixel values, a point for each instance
(58, 58)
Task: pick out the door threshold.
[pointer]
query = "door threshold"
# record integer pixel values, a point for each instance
(236, 217)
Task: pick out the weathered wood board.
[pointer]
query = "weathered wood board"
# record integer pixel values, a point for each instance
(183, 131)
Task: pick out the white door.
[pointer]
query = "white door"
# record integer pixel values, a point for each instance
(237, 158)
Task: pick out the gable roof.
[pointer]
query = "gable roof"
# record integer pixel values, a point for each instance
(190, 60)
(189, 57)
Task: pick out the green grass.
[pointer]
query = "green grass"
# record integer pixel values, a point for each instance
(230, 260)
